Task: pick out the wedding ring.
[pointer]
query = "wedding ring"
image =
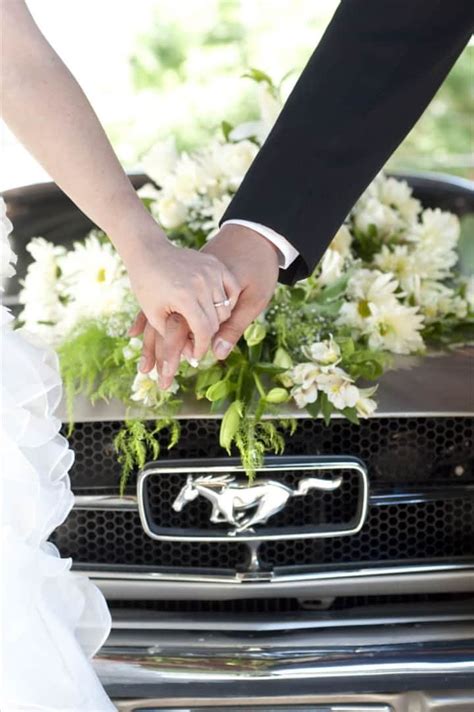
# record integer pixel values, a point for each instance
(224, 303)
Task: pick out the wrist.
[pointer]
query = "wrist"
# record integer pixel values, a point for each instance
(253, 238)
(134, 232)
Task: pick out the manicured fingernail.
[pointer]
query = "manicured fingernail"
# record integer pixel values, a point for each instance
(193, 361)
(165, 371)
(222, 348)
(143, 363)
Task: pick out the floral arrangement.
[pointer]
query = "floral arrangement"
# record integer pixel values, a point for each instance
(387, 285)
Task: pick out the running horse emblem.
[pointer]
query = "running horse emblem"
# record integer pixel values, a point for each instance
(242, 506)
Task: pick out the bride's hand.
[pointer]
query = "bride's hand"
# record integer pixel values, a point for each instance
(169, 280)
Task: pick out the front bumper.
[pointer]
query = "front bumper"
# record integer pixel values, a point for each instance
(403, 662)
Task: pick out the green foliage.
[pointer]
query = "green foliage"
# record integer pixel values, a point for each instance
(450, 332)
(136, 443)
(365, 363)
(91, 357)
(367, 244)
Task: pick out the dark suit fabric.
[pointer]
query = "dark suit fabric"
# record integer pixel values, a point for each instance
(375, 70)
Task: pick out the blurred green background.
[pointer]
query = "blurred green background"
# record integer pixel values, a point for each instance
(155, 67)
(192, 57)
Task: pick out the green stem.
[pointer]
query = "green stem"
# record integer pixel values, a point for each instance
(240, 381)
(259, 385)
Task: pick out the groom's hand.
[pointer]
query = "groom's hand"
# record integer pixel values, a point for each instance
(253, 261)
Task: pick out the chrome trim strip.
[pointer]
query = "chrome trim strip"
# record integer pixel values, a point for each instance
(106, 502)
(360, 702)
(292, 705)
(275, 578)
(379, 498)
(272, 465)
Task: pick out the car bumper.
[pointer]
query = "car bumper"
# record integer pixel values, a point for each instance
(159, 662)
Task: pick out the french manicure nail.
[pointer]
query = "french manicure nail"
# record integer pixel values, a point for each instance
(165, 371)
(142, 364)
(222, 348)
(193, 361)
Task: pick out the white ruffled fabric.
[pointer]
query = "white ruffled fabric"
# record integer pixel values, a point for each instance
(53, 620)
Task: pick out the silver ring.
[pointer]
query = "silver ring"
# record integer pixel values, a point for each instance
(224, 303)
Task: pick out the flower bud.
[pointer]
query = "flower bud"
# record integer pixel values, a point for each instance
(218, 390)
(254, 333)
(282, 358)
(277, 395)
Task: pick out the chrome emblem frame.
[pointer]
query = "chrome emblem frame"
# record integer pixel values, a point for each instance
(242, 506)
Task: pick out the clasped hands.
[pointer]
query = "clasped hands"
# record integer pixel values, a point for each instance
(206, 299)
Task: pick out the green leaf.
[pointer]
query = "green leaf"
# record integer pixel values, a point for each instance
(269, 368)
(208, 378)
(257, 75)
(327, 408)
(219, 390)
(351, 414)
(347, 346)
(314, 409)
(255, 353)
(298, 295)
(333, 291)
(230, 424)
(226, 129)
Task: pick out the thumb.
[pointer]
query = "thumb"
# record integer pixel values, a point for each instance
(231, 330)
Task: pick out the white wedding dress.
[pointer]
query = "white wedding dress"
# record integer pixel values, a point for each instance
(52, 620)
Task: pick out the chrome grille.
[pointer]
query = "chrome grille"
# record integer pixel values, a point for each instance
(409, 460)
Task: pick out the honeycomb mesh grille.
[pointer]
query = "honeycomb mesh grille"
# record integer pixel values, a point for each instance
(399, 453)
(394, 449)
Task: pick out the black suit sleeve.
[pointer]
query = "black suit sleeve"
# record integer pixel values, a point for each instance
(375, 70)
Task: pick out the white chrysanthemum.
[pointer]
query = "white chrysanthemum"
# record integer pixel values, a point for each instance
(236, 160)
(334, 259)
(439, 228)
(149, 192)
(406, 264)
(145, 389)
(372, 286)
(324, 353)
(7, 257)
(339, 388)
(331, 267)
(133, 348)
(187, 182)
(353, 315)
(396, 328)
(160, 162)
(215, 212)
(94, 278)
(342, 242)
(438, 301)
(469, 292)
(398, 194)
(41, 293)
(170, 212)
(373, 213)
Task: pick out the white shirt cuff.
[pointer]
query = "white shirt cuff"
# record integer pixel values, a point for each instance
(287, 253)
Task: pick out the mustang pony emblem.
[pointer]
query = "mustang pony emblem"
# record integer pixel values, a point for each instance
(232, 501)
